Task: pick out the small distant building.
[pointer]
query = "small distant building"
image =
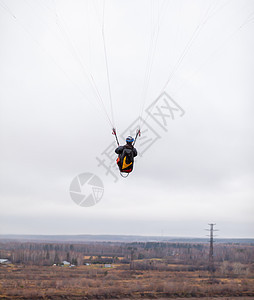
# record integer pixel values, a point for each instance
(4, 261)
(66, 263)
(107, 265)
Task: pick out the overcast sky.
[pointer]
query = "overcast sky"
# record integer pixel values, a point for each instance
(52, 126)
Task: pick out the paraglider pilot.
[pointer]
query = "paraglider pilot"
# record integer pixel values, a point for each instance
(126, 155)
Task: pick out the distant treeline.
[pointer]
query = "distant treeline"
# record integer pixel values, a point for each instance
(191, 254)
(115, 238)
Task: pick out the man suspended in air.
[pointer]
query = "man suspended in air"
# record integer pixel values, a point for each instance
(126, 156)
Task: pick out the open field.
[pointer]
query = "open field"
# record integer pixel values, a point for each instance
(145, 270)
(56, 282)
(33, 282)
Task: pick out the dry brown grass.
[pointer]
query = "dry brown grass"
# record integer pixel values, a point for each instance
(87, 282)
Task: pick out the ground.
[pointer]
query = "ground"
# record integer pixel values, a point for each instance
(95, 281)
